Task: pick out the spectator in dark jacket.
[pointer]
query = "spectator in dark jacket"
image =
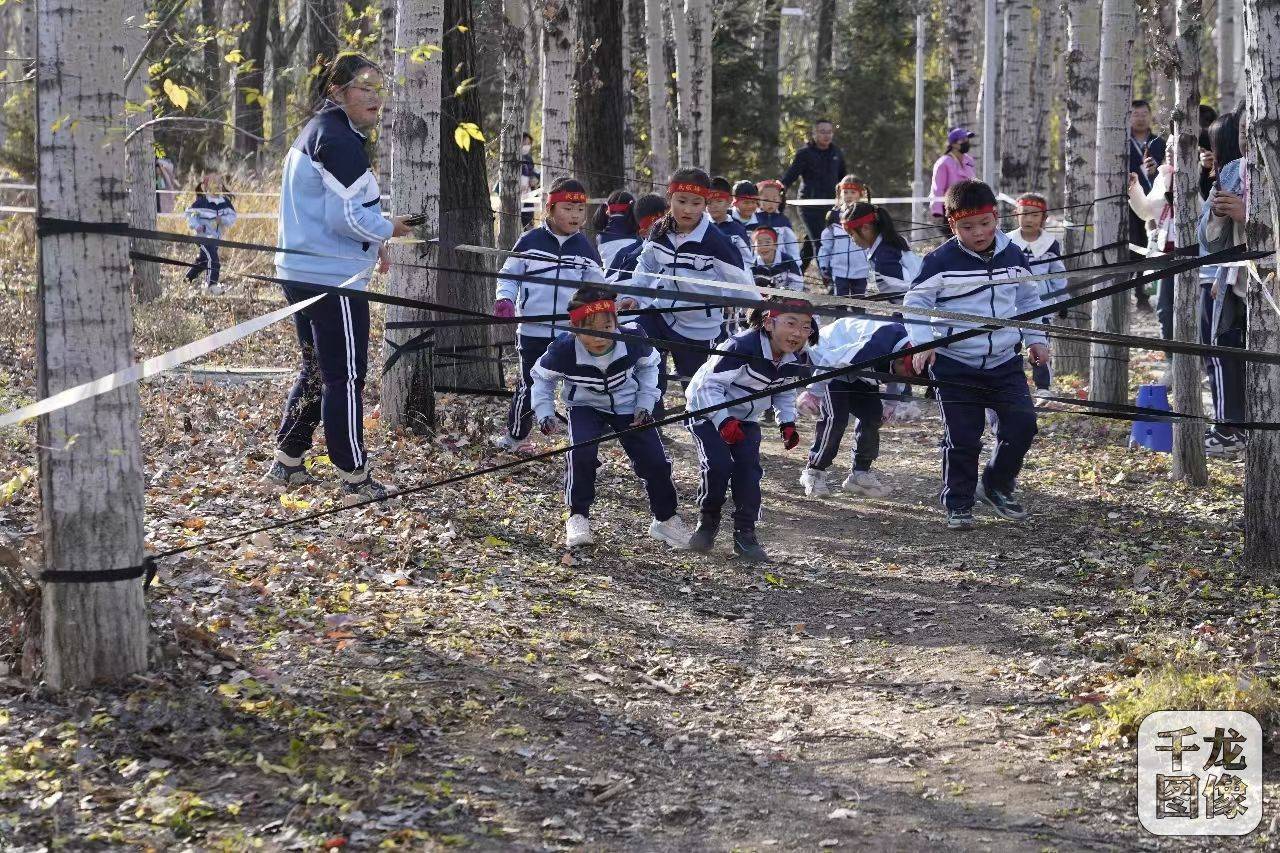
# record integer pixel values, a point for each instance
(1146, 153)
(819, 166)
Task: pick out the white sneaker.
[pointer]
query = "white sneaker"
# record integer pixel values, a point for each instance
(907, 411)
(673, 531)
(577, 531)
(213, 289)
(815, 482)
(888, 409)
(866, 483)
(513, 445)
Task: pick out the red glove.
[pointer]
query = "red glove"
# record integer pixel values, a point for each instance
(731, 431)
(504, 308)
(904, 367)
(790, 435)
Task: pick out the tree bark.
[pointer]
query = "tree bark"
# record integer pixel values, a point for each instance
(322, 29)
(598, 124)
(516, 19)
(1017, 130)
(825, 39)
(1188, 435)
(697, 14)
(1225, 31)
(140, 156)
(960, 27)
(1080, 135)
(91, 485)
(1262, 381)
(1044, 85)
(557, 78)
(684, 84)
(408, 392)
(657, 73)
(214, 79)
(769, 31)
(1109, 364)
(250, 79)
(632, 53)
(465, 213)
(387, 139)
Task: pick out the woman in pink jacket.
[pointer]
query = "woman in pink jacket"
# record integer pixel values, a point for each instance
(951, 168)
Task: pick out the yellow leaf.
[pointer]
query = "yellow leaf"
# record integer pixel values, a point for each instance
(290, 502)
(235, 57)
(473, 130)
(465, 85)
(177, 94)
(462, 28)
(9, 489)
(461, 138)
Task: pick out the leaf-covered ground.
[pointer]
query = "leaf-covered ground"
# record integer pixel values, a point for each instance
(437, 672)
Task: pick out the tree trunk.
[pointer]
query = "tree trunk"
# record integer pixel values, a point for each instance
(465, 215)
(214, 79)
(1017, 130)
(657, 73)
(387, 139)
(632, 51)
(284, 42)
(91, 486)
(1109, 364)
(1226, 37)
(769, 31)
(516, 19)
(408, 393)
(961, 21)
(1080, 135)
(250, 80)
(1188, 435)
(684, 85)
(1043, 84)
(557, 78)
(697, 14)
(322, 29)
(598, 104)
(988, 142)
(1262, 381)
(140, 159)
(825, 39)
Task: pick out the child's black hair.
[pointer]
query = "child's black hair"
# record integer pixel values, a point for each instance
(649, 205)
(721, 184)
(1224, 140)
(687, 175)
(340, 71)
(802, 306)
(746, 189)
(966, 195)
(884, 223)
(602, 216)
(591, 293)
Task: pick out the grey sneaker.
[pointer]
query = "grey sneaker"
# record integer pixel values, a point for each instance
(747, 547)
(288, 476)
(960, 519)
(1005, 505)
(362, 490)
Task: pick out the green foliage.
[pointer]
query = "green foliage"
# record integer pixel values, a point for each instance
(17, 114)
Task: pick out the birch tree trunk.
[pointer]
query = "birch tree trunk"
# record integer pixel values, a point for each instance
(632, 51)
(140, 162)
(769, 31)
(386, 136)
(1017, 130)
(697, 14)
(1225, 31)
(961, 28)
(1044, 90)
(408, 393)
(1262, 381)
(557, 77)
(1080, 135)
(597, 128)
(516, 16)
(91, 486)
(212, 79)
(1109, 364)
(659, 136)
(1188, 435)
(250, 81)
(684, 85)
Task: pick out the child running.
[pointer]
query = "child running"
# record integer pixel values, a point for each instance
(1043, 256)
(768, 355)
(846, 341)
(557, 250)
(769, 264)
(210, 216)
(718, 209)
(843, 263)
(615, 227)
(965, 274)
(610, 386)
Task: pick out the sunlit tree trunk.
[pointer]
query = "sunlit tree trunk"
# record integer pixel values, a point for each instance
(659, 110)
(1017, 131)
(516, 20)
(557, 79)
(599, 98)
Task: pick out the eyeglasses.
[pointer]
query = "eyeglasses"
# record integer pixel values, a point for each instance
(376, 91)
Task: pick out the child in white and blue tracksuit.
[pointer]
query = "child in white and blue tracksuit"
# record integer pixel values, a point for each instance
(965, 274)
(609, 386)
(1044, 255)
(210, 215)
(770, 266)
(770, 215)
(840, 259)
(893, 266)
(615, 227)
(695, 258)
(559, 254)
(768, 355)
(719, 209)
(647, 210)
(1223, 309)
(846, 341)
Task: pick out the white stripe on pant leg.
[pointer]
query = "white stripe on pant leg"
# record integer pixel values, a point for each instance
(947, 447)
(348, 334)
(518, 414)
(704, 467)
(830, 408)
(568, 464)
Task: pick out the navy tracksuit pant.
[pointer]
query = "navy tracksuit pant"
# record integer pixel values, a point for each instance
(861, 400)
(849, 286)
(333, 335)
(963, 419)
(207, 261)
(520, 412)
(1222, 322)
(686, 361)
(726, 467)
(644, 448)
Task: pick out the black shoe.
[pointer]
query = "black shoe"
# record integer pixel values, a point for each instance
(747, 547)
(1004, 504)
(1143, 305)
(704, 538)
(288, 476)
(363, 490)
(960, 519)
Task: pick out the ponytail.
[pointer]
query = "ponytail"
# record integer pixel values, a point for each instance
(600, 220)
(885, 229)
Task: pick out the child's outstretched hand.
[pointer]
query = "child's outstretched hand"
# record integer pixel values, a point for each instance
(731, 431)
(921, 360)
(790, 435)
(808, 403)
(643, 416)
(1039, 353)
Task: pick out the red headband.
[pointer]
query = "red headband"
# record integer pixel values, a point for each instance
(646, 222)
(864, 219)
(956, 216)
(693, 189)
(569, 196)
(618, 207)
(777, 185)
(742, 198)
(851, 186)
(718, 195)
(764, 229)
(1033, 202)
(791, 306)
(582, 312)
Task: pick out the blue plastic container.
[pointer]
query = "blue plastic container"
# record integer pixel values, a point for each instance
(1153, 435)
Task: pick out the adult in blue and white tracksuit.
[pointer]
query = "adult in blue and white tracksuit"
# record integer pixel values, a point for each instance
(699, 262)
(955, 278)
(1043, 255)
(603, 393)
(541, 252)
(330, 205)
(841, 260)
(210, 215)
